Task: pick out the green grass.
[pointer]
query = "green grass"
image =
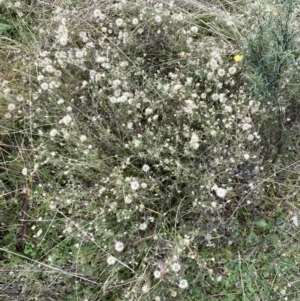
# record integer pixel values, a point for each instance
(140, 160)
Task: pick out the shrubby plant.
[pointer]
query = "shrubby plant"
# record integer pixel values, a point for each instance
(138, 150)
(273, 53)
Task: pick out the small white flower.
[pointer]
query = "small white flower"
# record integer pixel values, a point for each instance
(250, 137)
(66, 120)
(189, 81)
(215, 97)
(38, 234)
(128, 200)
(116, 83)
(246, 156)
(122, 99)
(44, 86)
(222, 98)
(143, 226)
(53, 84)
(148, 111)
(66, 134)
(135, 21)
(194, 141)
(228, 109)
(20, 98)
(113, 99)
(97, 13)
(134, 185)
(157, 274)
(79, 54)
(99, 59)
(83, 138)
(183, 284)
(53, 133)
(6, 91)
(176, 267)
(119, 246)
(63, 40)
(190, 106)
(124, 64)
(178, 17)
(295, 220)
(283, 292)
(194, 29)
(221, 72)
(101, 190)
(111, 260)
(11, 107)
(221, 192)
(24, 171)
(119, 22)
(49, 68)
(146, 168)
(232, 70)
(213, 133)
(157, 19)
(203, 95)
(209, 75)
(52, 206)
(82, 34)
(144, 185)
(106, 66)
(213, 64)
(246, 126)
(145, 288)
(177, 87)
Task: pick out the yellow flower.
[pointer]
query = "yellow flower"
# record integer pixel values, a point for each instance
(238, 58)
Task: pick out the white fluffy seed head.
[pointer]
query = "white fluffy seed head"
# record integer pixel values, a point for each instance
(119, 246)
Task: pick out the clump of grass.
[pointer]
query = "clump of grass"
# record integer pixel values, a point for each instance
(273, 50)
(134, 152)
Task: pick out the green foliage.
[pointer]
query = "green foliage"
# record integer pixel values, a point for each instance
(16, 21)
(9, 22)
(136, 152)
(272, 50)
(272, 60)
(4, 28)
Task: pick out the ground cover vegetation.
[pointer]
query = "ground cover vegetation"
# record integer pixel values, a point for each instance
(149, 150)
